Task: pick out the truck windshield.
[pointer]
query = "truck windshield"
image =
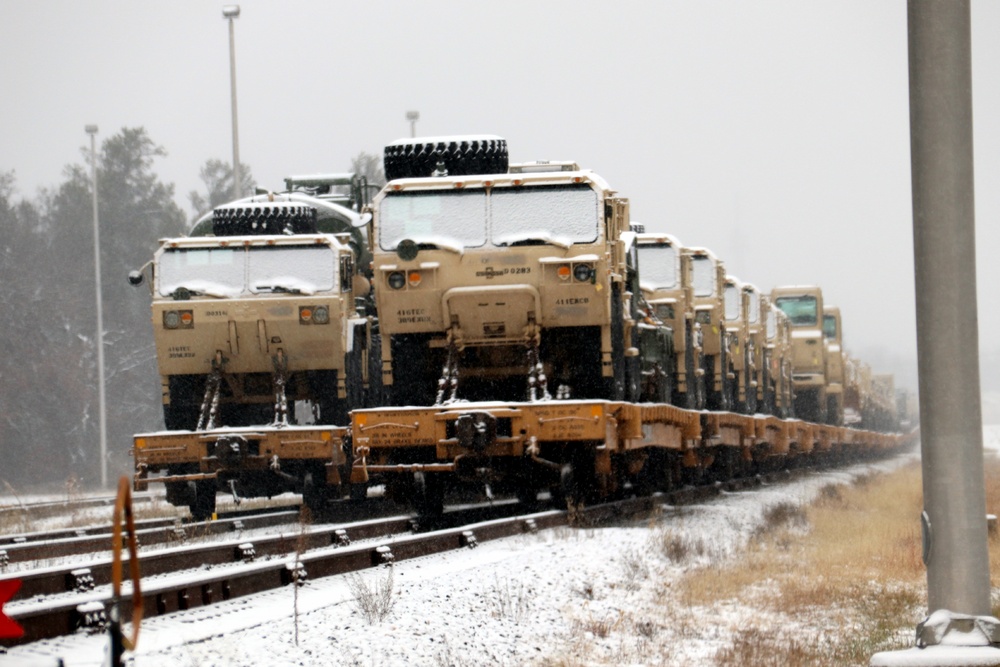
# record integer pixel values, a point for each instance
(295, 269)
(753, 311)
(558, 214)
(801, 310)
(216, 270)
(732, 302)
(566, 213)
(658, 266)
(703, 272)
(229, 272)
(446, 216)
(830, 327)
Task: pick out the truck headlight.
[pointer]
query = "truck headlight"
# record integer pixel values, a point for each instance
(396, 280)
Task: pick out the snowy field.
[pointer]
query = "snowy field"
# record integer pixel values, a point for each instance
(594, 596)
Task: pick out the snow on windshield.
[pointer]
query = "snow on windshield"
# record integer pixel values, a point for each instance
(658, 266)
(560, 215)
(292, 268)
(732, 302)
(219, 270)
(560, 212)
(703, 270)
(458, 217)
(223, 272)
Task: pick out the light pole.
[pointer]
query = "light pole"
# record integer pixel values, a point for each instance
(92, 131)
(413, 117)
(230, 12)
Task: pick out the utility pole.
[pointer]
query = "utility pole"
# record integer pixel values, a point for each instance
(413, 117)
(232, 12)
(951, 435)
(102, 409)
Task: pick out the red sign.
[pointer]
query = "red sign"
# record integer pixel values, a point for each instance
(9, 628)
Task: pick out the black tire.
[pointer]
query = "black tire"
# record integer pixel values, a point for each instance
(256, 218)
(323, 386)
(376, 395)
(353, 372)
(203, 505)
(460, 156)
(186, 393)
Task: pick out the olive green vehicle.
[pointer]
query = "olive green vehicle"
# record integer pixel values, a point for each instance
(667, 286)
(508, 282)
(708, 280)
(834, 365)
(262, 314)
(804, 307)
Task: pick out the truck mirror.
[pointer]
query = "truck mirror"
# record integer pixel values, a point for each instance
(135, 277)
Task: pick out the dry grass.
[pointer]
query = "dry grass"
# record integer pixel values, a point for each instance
(850, 561)
(374, 601)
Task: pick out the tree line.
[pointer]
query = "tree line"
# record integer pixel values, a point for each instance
(49, 406)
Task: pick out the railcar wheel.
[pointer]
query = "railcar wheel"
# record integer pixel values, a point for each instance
(203, 505)
(359, 491)
(428, 494)
(313, 495)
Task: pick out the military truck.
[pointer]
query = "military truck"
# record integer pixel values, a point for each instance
(708, 280)
(756, 377)
(743, 360)
(262, 314)
(834, 365)
(804, 307)
(777, 396)
(667, 286)
(508, 282)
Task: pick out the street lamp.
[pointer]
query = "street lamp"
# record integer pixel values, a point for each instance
(230, 12)
(413, 117)
(92, 131)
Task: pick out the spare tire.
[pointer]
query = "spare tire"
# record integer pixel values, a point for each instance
(260, 218)
(445, 156)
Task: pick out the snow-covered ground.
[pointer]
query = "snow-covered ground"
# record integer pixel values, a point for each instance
(579, 596)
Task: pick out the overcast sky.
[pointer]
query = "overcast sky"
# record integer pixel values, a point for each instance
(774, 133)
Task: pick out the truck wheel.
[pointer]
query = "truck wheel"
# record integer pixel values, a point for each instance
(182, 413)
(419, 158)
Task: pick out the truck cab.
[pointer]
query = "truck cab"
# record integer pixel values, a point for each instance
(667, 286)
(804, 307)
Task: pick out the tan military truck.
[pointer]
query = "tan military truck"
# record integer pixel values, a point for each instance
(666, 283)
(259, 316)
(708, 275)
(744, 363)
(504, 282)
(753, 354)
(804, 307)
(834, 365)
(777, 395)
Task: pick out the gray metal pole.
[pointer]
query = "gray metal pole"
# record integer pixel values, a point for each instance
(92, 131)
(947, 328)
(237, 179)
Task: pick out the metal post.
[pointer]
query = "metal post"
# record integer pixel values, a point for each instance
(232, 12)
(944, 246)
(92, 131)
(413, 117)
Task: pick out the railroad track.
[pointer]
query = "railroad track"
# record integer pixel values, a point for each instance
(63, 601)
(50, 508)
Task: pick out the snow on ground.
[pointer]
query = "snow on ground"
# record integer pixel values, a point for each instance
(594, 596)
(585, 595)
